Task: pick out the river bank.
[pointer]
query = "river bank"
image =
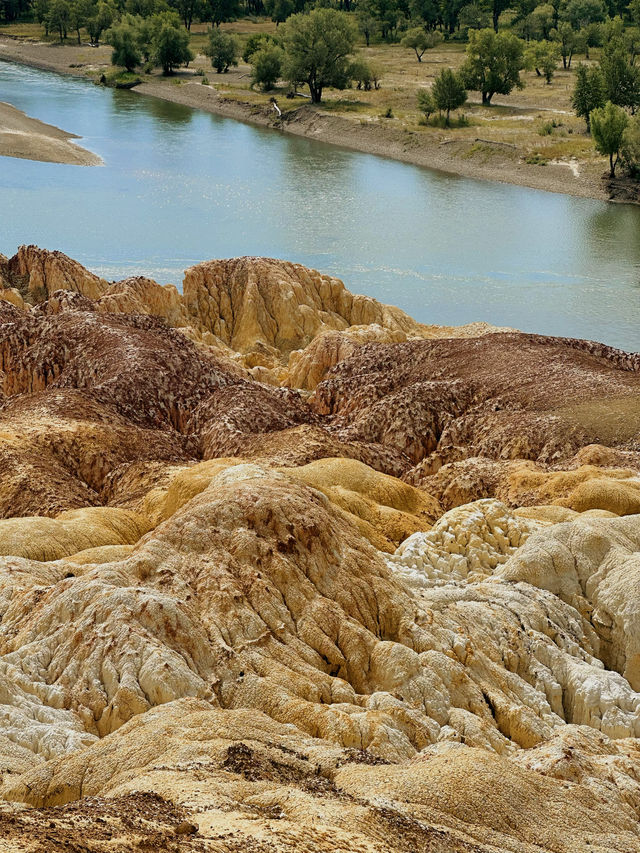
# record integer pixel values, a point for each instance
(468, 155)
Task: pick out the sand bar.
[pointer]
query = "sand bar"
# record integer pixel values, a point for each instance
(30, 139)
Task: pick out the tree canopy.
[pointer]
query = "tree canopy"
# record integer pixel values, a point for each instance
(318, 46)
(493, 63)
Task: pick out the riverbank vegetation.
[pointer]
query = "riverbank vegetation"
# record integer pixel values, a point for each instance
(528, 75)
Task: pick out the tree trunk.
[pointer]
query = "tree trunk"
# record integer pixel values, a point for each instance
(486, 98)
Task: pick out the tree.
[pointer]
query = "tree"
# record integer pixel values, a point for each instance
(219, 11)
(568, 40)
(146, 32)
(448, 92)
(420, 41)
(187, 9)
(255, 42)
(364, 75)
(473, 17)
(279, 10)
(608, 125)
(59, 17)
(266, 65)
(544, 57)
(222, 50)
(100, 21)
(630, 148)
(493, 63)
(318, 46)
(581, 13)
(497, 7)
(171, 47)
(426, 11)
(41, 9)
(123, 37)
(79, 12)
(426, 103)
(542, 20)
(589, 92)
(367, 22)
(621, 78)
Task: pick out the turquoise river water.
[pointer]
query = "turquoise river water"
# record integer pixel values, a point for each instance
(179, 186)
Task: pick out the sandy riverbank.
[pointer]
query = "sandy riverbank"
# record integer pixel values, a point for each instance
(29, 139)
(489, 159)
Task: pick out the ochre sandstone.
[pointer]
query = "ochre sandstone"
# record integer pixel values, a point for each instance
(283, 570)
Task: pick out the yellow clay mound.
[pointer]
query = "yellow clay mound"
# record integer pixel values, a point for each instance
(40, 538)
(386, 510)
(101, 554)
(616, 496)
(527, 484)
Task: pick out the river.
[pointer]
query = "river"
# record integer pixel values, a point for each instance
(180, 186)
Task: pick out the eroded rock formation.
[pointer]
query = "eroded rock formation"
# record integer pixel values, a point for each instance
(397, 614)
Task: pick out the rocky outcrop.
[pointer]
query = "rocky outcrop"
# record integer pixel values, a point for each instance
(396, 614)
(270, 308)
(525, 397)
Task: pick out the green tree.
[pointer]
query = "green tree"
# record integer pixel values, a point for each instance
(79, 13)
(543, 56)
(318, 47)
(608, 125)
(222, 50)
(219, 11)
(41, 10)
(364, 75)
(419, 40)
(621, 78)
(255, 42)
(448, 92)
(266, 66)
(493, 63)
(589, 92)
(568, 40)
(59, 17)
(473, 17)
(146, 31)
(188, 9)
(367, 21)
(123, 37)
(171, 47)
(426, 104)
(630, 148)
(104, 15)
(581, 13)
(427, 12)
(279, 10)
(542, 20)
